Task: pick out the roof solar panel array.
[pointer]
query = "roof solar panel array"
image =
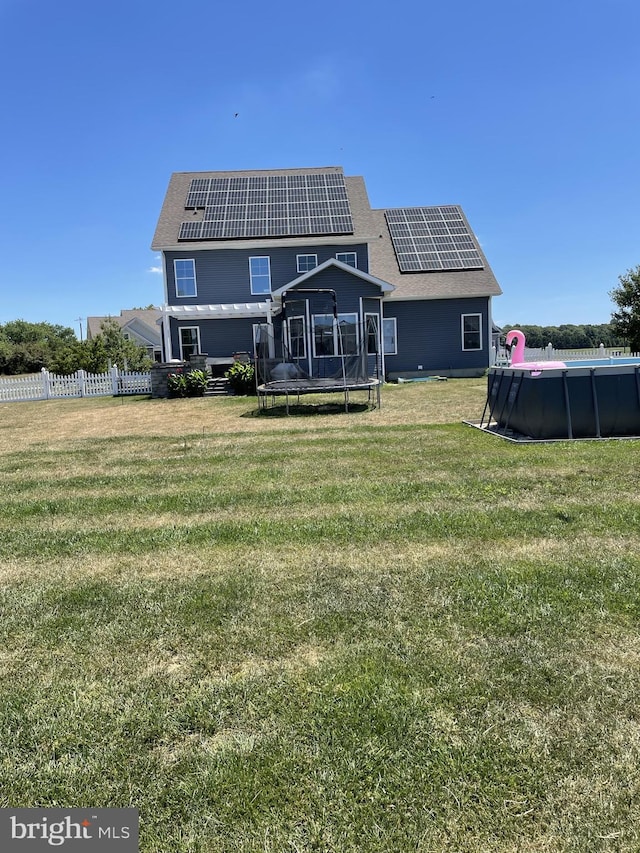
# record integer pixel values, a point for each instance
(268, 206)
(432, 238)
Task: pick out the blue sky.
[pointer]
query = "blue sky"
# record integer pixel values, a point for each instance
(524, 113)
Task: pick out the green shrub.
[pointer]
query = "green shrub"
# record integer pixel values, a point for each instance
(241, 376)
(196, 383)
(177, 384)
(190, 384)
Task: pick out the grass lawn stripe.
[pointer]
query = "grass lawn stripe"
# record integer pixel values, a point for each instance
(359, 635)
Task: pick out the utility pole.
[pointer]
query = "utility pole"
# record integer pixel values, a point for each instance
(79, 320)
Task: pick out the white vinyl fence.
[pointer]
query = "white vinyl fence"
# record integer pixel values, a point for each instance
(548, 353)
(49, 386)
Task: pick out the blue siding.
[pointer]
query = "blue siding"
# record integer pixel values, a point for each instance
(429, 334)
(223, 275)
(348, 287)
(428, 331)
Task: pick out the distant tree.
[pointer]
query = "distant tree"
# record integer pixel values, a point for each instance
(626, 321)
(109, 347)
(27, 347)
(120, 350)
(83, 355)
(22, 332)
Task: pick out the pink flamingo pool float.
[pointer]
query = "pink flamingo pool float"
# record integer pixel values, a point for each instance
(515, 342)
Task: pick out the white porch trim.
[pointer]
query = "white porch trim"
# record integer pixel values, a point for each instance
(223, 311)
(214, 312)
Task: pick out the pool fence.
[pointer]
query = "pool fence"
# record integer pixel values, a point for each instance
(549, 353)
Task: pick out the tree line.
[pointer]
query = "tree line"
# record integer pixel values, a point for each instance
(569, 336)
(622, 330)
(28, 347)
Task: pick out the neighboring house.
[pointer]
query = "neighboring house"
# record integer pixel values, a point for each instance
(234, 244)
(141, 325)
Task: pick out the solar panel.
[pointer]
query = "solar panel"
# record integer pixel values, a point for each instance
(268, 206)
(432, 238)
(190, 231)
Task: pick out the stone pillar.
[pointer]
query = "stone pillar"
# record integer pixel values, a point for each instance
(198, 361)
(159, 373)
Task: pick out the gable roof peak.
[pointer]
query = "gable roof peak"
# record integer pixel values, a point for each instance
(384, 286)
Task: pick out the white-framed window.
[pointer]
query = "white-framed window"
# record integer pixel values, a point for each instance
(350, 258)
(260, 274)
(185, 277)
(331, 338)
(189, 342)
(306, 262)
(389, 336)
(372, 327)
(296, 337)
(471, 331)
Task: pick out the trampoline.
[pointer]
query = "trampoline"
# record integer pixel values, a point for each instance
(313, 349)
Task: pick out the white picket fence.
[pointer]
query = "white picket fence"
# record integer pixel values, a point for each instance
(548, 353)
(49, 386)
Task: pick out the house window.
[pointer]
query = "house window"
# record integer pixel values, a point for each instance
(306, 262)
(332, 338)
(372, 322)
(185, 274)
(189, 342)
(471, 331)
(296, 337)
(260, 274)
(390, 336)
(350, 258)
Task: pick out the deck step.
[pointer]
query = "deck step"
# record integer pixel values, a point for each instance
(219, 387)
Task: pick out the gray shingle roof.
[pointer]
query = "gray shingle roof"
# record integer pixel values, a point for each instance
(369, 227)
(148, 317)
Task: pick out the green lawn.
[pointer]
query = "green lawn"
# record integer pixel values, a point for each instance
(371, 632)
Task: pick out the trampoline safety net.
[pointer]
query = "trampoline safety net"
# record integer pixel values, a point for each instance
(304, 353)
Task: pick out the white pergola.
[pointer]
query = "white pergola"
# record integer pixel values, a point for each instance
(258, 310)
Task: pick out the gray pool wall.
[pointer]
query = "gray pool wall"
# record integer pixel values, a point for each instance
(576, 402)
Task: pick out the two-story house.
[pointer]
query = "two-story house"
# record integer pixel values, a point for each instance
(236, 245)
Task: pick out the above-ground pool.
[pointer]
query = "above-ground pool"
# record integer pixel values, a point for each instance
(586, 399)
